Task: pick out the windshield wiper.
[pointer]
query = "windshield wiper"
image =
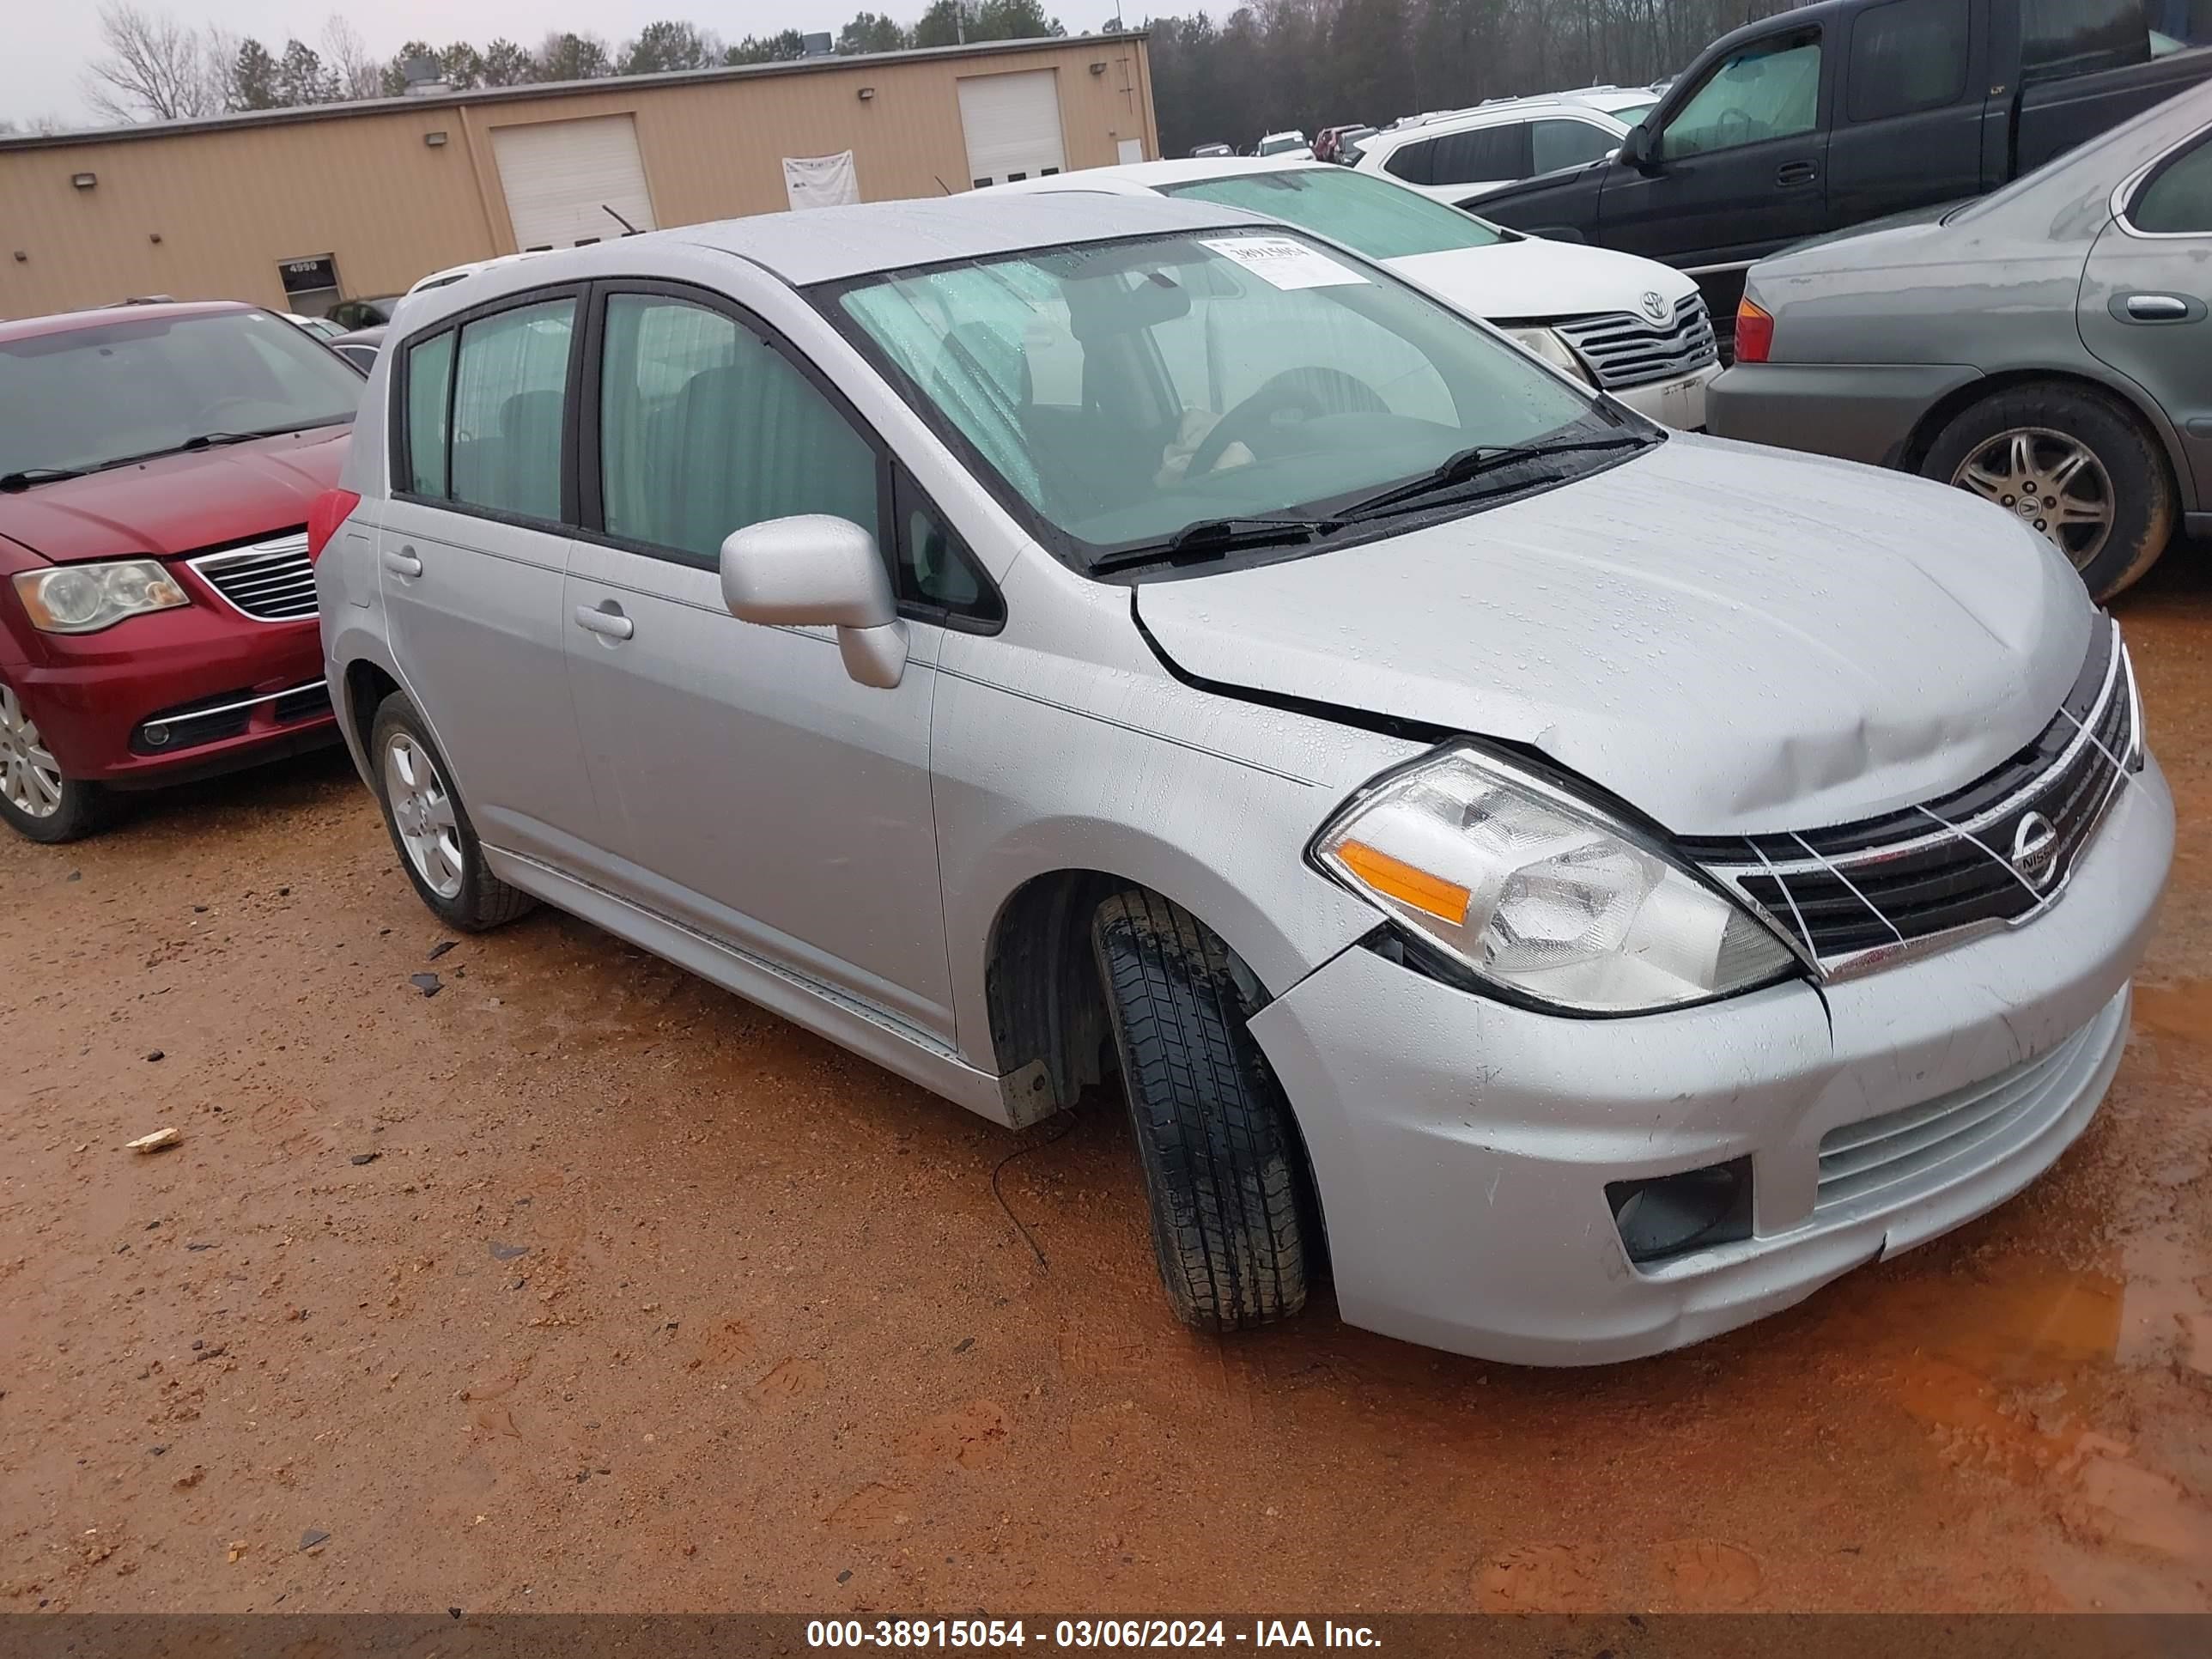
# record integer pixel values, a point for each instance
(213, 440)
(14, 483)
(217, 439)
(1210, 538)
(1472, 463)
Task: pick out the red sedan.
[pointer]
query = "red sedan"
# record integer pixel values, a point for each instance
(159, 465)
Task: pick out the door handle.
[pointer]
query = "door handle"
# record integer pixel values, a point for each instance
(1796, 172)
(2158, 308)
(402, 562)
(608, 623)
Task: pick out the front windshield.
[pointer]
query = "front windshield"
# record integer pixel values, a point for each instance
(1629, 115)
(1124, 391)
(1368, 215)
(147, 385)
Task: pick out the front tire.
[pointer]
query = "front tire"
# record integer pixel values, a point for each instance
(37, 801)
(430, 829)
(1213, 1132)
(2073, 465)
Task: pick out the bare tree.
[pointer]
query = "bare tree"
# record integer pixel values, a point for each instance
(155, 68)
(359, 75)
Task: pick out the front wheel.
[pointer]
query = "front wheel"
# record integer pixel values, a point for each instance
(430, 828)
(36, 800)
(1213, 1132)
(2072, 465)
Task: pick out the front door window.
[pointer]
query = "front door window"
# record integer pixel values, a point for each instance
(1769, 90)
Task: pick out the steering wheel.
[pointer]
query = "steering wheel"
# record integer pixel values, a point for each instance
(1734, 128)
(1312, 389)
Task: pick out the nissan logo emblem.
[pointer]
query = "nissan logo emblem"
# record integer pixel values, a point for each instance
(2035, 850)
(1655, 305)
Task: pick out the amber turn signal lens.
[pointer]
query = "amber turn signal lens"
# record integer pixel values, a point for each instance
(1754, 334)
(1446, 900)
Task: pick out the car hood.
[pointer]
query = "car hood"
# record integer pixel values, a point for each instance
(1734, 640)
(1529, 278)
(177, 503)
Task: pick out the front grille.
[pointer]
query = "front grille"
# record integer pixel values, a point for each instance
(1917, 1141)
(1623, 349)
(271, 581)
(1857, 893)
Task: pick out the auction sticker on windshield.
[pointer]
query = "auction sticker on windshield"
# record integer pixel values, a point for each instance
(1284, 263)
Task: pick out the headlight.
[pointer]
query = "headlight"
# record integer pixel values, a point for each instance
(84, 599)
(1552, 347)
(1534, 892)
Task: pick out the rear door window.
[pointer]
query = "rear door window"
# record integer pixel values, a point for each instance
(1484, 153)
(1567, 144)
(510, 397)
(1907, 56)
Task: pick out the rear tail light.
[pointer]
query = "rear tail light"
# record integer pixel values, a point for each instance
(1754, 334)
(330, 510)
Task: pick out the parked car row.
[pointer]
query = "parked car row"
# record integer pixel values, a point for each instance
(1189, 641)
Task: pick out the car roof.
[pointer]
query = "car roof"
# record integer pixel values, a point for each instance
(1484, 115)
(65, 322)
(825, 245)
(1143, 177)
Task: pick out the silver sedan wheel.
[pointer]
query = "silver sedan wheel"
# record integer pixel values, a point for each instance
(2052, 483)
(30, 777)
(422, 808)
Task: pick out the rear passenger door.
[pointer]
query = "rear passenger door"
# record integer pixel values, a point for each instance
(1454, 163)
(1909, 130)
(750, 788)
(472, 556)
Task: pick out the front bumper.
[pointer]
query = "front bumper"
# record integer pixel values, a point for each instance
(1680, 402)
(176, 694)
(1462, 1146)
(1858, 411)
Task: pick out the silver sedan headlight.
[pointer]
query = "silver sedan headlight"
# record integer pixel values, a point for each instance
(1551, 346)
(1545, 896)
(84, 599)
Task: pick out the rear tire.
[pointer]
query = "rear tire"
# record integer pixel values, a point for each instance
(1214, 1133)
(429, 827)
(2127, 471)
(37, 801)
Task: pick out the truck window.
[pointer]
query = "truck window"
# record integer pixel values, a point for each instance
(2177, 199)
(1768, 90)
(1906, 55)
(2059, 38)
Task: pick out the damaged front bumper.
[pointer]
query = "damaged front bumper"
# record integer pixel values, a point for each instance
(1462, 1147)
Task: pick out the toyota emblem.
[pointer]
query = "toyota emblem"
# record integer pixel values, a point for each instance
(1655, 305)
(2035, 850)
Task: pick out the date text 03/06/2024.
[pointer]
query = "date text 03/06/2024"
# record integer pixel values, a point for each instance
(1085, 1633)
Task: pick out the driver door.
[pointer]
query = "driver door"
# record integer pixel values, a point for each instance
(1741, 167)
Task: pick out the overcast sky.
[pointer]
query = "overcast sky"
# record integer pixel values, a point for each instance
(49, 44)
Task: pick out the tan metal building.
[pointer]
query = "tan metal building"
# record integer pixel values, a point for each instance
(294, 208)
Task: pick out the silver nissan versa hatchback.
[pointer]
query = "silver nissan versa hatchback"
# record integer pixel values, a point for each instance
(1583, 886)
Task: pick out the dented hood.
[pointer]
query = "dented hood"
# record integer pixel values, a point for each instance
(1736, 640)
(178, 503)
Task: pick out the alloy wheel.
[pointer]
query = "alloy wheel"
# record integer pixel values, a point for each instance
(422, 808)
(2053, 483)
(30, 777)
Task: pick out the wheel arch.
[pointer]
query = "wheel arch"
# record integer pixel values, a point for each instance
(2096, 378)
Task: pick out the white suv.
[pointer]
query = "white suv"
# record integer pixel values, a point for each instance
(1457, 157)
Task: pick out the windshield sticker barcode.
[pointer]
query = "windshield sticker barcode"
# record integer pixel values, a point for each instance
(1282, 263)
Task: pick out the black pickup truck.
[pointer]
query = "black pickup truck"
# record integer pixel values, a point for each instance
(1844, 111)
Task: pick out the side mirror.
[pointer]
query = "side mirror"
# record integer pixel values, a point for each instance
(825, 572)
(1640, 149)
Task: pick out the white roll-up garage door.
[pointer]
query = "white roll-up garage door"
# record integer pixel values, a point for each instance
(561, 177)
(1013, 126)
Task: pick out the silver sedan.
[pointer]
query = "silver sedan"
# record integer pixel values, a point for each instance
(2046, 347)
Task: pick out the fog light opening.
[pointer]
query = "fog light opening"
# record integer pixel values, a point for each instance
(1666, 1215)
(157, 736)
